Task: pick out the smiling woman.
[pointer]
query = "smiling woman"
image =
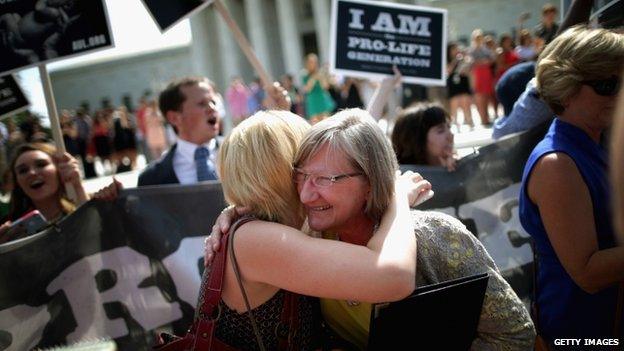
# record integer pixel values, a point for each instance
(38, 174)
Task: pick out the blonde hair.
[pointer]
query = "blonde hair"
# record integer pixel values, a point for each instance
(256, 164)
(617, 167)
(356, 134)
(576, 55)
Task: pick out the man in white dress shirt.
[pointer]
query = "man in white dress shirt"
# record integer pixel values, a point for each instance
(189, 105)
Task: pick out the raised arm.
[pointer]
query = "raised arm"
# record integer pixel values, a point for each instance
(284, 257)
(380, 96)
(564, 202)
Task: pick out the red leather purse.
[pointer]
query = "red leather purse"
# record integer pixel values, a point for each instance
(200, 335)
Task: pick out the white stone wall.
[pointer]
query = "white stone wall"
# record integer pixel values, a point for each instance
(114, 79)
(492, 16)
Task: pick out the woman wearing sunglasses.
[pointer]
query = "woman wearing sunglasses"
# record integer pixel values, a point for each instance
(564, 199)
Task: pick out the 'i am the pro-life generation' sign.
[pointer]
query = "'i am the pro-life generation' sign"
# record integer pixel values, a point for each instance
(369, 37)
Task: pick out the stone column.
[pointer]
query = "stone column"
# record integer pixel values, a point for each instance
(290, 37)
(204, 57)
(228, 51)
(256, 29)
(322, 22)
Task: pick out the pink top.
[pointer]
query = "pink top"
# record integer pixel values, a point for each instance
(236, 96)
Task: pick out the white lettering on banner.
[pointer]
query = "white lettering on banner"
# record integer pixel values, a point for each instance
(417, 26)
(146, 305)
(183, 269)
(392, 46)
(408, 25)
(356, 19)
(394, 60)
(25, 324)
(495, 217)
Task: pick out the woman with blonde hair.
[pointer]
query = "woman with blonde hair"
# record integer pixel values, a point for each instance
(256, 168)
(564, 199)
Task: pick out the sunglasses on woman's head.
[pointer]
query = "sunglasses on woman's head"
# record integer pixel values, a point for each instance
(605, 87)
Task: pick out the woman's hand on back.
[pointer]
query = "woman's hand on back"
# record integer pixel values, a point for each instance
(212, 243)
(417, 188)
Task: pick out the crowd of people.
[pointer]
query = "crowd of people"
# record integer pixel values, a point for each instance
(474, 71)
(307, 163)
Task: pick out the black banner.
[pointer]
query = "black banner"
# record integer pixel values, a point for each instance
(167, 13)
(127, 269)
(12, 99)
(33, 32)
(121, 270)
(369, 37)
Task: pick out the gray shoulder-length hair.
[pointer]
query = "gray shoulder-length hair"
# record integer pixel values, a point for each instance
(356, 134)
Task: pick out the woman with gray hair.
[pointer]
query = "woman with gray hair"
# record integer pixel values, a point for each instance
(350, 142)
(256, 169)
(564, 199)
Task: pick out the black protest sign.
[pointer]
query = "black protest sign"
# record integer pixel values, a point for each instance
(120, 270)
(12, 99)
(34, 32)
(167, 13)
(369, 37)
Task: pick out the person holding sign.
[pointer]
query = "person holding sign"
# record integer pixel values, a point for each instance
(565, 194)
(318, 102)
(39, 173)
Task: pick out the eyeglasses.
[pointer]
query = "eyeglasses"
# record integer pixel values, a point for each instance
(300, 177)
(605, 87)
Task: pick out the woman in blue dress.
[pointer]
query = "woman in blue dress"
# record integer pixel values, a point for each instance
(564, 199)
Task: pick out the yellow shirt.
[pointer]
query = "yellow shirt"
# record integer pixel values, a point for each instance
(349, 322)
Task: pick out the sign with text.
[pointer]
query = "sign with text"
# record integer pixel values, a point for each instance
(12, 99)
(369, 37)
(34, 32)
(167, 13)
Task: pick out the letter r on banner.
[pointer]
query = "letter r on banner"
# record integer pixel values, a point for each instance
(145, 305)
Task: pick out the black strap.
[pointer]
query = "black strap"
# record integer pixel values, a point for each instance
(254, 325)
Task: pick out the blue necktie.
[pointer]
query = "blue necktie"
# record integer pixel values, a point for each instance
(201, 163)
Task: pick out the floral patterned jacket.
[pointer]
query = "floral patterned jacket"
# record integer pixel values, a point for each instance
(447, 250)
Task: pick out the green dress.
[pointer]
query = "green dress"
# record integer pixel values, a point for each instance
(317, 100)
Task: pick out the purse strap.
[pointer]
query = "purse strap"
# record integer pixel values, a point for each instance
(254, 325)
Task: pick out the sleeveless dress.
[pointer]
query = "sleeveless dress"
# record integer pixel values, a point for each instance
(317, 101)
(235, 328)
(565, 310)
